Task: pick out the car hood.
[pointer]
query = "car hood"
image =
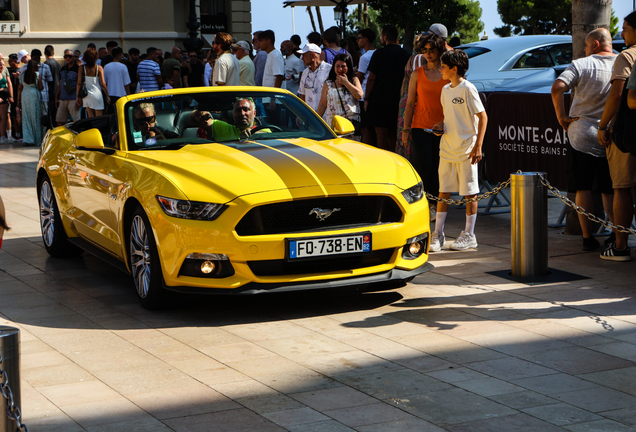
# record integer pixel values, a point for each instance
(223, 172)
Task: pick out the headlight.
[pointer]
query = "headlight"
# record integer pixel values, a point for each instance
(414, 194)
(190, 209)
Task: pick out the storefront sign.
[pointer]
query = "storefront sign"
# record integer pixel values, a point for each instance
(9, 27)
(524, 134)
(212, 24)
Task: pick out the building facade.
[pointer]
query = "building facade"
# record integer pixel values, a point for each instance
(72, 24)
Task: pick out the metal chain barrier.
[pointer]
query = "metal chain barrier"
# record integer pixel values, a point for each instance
(556, 192)
(13, 412)
(582, 211)
(475, 198)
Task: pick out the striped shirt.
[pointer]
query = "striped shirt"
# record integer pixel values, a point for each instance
(147, 71)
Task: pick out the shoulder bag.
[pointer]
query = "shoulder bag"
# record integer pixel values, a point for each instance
(82, 91)
(356, 123)
(624, 134)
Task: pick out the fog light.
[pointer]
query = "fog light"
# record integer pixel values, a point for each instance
(415, 248)
(207, 267)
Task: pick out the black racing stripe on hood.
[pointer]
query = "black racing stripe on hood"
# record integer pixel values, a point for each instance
(293, 174)
(332, 177)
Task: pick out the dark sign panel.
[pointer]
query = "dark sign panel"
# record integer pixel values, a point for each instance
(212, 24)
(523, 134)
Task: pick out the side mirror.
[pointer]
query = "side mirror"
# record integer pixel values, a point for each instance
(91, 140)
(342, 126)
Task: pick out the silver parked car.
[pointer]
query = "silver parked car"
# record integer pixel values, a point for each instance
(498, 61)
(540, 81)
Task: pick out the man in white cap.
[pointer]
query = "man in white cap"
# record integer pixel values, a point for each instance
(314, 76)
(23, 60)
(242, 52)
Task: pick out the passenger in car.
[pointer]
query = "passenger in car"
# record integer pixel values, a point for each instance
(144, 119)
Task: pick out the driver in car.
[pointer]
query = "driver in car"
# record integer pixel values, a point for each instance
(244, 113)
(145, 118)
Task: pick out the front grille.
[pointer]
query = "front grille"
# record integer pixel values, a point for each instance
(335, 263)
(293, 216)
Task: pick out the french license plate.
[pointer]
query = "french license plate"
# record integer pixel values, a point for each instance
(327, 246)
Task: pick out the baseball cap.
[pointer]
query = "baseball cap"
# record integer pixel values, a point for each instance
(21, 54)
(242, 44)
(310, 48)
(439, 30)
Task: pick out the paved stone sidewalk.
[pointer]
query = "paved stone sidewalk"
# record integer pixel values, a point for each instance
(456, 350)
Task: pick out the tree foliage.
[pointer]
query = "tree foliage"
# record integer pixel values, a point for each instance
(353, 24)
(417, 15)
(614, 27)
(469, 25)
(529, 17)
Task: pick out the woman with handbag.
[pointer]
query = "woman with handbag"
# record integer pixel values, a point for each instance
(341, 92)
(29, 104)
(91, 77)
(423, 111)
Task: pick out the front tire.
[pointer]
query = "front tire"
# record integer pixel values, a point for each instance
(144, 262)
(55, 239)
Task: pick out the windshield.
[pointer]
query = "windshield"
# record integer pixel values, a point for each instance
(173, 121)
(473, 51)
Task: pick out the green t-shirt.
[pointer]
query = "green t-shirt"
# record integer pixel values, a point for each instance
(224, 131)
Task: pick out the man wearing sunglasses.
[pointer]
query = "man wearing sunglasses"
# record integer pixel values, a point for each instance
(314, 75)
(144, 119)
(66, 91)
(244, 113)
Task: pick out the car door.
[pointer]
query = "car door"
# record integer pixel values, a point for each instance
(90, 184)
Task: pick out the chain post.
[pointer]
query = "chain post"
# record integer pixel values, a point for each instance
(529, 225)
(10, 380)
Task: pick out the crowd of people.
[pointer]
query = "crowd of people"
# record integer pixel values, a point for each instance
(37, 95)
(594, 162)
(417, 103)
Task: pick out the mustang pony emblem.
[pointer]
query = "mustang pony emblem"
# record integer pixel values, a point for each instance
(322, 214)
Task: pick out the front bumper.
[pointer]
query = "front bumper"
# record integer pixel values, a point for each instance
(392, 279)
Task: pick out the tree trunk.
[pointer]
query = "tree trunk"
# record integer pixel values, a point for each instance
(319, 15)
(311, 17)
(360, 13)
(588, 15)
(366, 14)
(409, 37)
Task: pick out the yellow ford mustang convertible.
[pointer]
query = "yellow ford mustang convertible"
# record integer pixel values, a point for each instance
(230, 190)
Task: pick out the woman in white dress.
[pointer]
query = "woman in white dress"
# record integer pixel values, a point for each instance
(93, 74)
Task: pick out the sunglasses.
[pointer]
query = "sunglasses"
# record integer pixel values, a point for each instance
(139, 121)
(68, 56)
(428, 50)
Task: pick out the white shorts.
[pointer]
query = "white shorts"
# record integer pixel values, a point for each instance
(458, 177)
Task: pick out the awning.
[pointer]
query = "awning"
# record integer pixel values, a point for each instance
(326, 3)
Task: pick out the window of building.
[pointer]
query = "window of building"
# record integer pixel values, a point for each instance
(8, 10)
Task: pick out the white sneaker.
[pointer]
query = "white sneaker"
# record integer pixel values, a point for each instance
(437, 241)
(3, 139)
(433, 213)
(464, 241)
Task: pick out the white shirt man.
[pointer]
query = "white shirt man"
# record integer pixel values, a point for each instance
(274, 72)
(293, 67)
(226, 69)
(241, 50)
(314, 76)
